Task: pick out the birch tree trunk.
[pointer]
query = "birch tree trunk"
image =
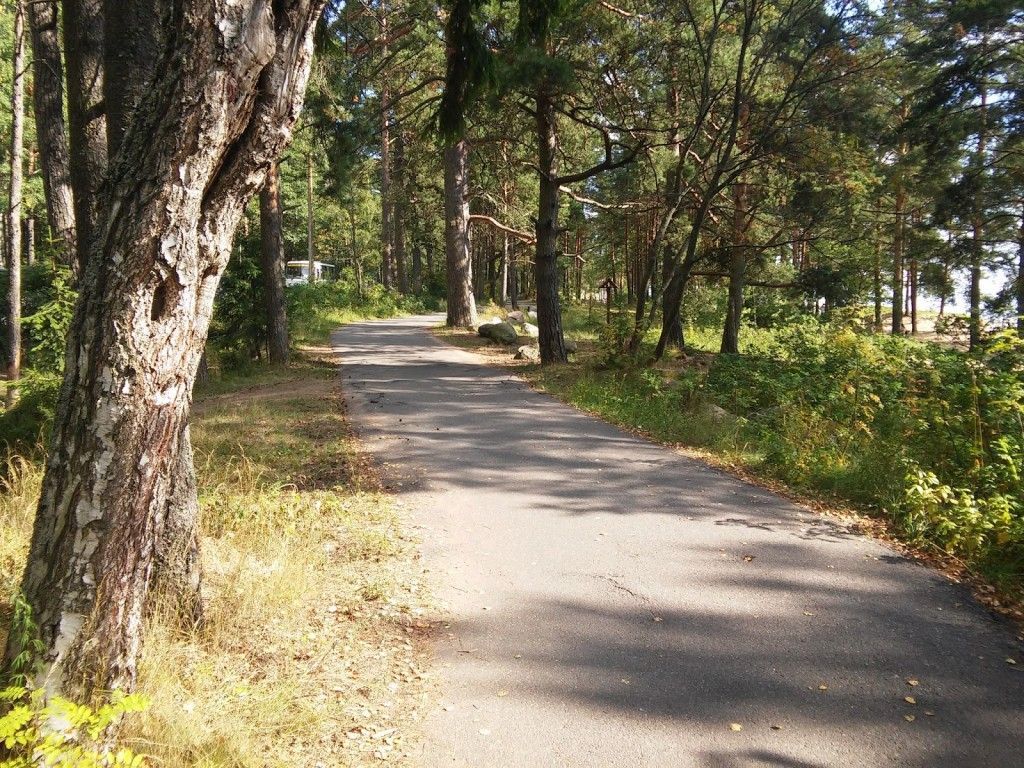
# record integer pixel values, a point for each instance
(14, 190)
(197, 148)
(48, 104)
(461, 304)
(141, 30)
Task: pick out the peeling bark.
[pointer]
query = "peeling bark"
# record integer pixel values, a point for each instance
(197, 147)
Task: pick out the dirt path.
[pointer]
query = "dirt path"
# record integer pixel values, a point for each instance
(611, 603)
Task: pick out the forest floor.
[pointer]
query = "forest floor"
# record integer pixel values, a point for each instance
(610, 602)
(312, 649)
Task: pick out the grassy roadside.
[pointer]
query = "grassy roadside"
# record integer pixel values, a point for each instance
(674, 403)
(309, 653)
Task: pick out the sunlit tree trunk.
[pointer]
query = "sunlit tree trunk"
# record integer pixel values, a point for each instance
(197, 147)
(399, 213)
(272, 263)
(310, 224)
(48, 105)
(12, 229)
(978, 230)
(461, 304)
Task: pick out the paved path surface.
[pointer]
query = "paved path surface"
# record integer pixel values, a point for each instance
(614, 604)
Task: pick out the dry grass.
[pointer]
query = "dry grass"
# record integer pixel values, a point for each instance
(309, 653)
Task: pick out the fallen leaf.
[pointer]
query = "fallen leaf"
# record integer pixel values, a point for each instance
(1011, 661)
(775, 727)
(502, 693)
(912, 681)
(929, 713)
(735, 727)
(658, 618)
(808, 613)
(747, 558)
(909, 718)
(822, 687)
(910, 700)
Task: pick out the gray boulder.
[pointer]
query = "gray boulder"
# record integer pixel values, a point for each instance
(528, 353)
(571, 347)
(516, 317)
(531, 330)
(499, 331)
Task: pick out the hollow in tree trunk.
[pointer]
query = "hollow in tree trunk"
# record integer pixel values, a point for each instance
(197, 147)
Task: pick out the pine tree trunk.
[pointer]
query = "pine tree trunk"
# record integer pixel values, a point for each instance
(672, 327)
(549, 310)
(1019, 287)
(12, 230)
(897, 264)
(913, 296)
(272, 262)
(461, 304)
(417, 266)
(387, 212)
(737, 273)
(673, 302)
(48, 104)
(975, 324)
(310, 227)
(398, 211)
(877, 285)
(87, 125)
(196, 149)
(29, 230)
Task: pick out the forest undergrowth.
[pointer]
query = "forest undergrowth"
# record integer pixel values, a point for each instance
(309, 651)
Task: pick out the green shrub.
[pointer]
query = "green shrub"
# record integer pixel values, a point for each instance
(62, 734)
(24, 427)
(931, 434)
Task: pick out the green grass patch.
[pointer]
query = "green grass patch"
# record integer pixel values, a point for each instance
(310, 583)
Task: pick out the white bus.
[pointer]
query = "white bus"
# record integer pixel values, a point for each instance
(297, 272)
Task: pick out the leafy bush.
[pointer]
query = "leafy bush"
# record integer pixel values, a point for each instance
(928, 433)
(24, 427)
(62, 734)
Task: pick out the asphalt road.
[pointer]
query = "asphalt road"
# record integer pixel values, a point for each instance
(611, 603)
